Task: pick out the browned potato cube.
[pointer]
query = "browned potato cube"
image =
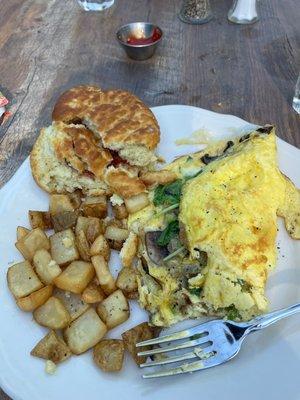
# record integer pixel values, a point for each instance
(95, 207)
(22, 232)
(100, 246)
(158, 177)
(94, 229)
(75, 198)
(93, 293)
(60, 203)
(108, 354)
(52, 347)
(73, 302)
(138, 334)
(46, 268)
(35, 240)
(64, 220)
(83, 246)
(85, 332)
(35, 299)
(75, 277)
(115, 245)
(63, 247)
(113, 232)
(40, 219)
(104, 275)
(136, 203)
(114, 310)
(22, 280)
(120, 211)
(53, 314)
(127, 281)
(129, 250)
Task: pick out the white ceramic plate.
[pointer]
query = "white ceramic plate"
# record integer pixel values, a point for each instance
(266, 368)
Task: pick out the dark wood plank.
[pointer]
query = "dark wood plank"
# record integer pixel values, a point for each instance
(48, 46)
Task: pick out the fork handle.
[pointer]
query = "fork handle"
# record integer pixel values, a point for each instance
(268, 319)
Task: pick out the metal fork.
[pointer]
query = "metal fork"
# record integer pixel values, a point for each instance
(213, 343)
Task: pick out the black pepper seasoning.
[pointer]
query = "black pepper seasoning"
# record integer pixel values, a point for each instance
(196, 11)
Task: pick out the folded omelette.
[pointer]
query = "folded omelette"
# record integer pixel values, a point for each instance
(209, 238)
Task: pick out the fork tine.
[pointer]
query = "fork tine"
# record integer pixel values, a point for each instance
(197, 352)
(184, 345)
(186, 367)
(173, 336)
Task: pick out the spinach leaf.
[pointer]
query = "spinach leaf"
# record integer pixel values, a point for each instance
(244, 285)
(232, 313)
(195, 291)
(168, 233)
(166, 195)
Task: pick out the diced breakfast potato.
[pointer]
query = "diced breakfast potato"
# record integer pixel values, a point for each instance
(115, 244)
(35, 299)
(83, 246)
(114, 310)
(158, 177)
(95, 207)
(127, 281)
(85, 332)
(52, 347)
(46, 268)
(138, 334)
(104, 275)
(113, 232)
(35, 240)
(63, 247)
(40, 219)
(60, 203)
(136, 203)
(75, 277)
(53, 314)
(73, 302)
(75, 198)
(101, 247)
(129, 250)
(22, 280)
(22, 232)
(64, 220)
(120, 211)
(93, 293)
(108, 354)
(92, 227)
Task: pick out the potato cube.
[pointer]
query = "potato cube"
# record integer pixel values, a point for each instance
(113, 232)
(64, 220)
(95, 207)
(22, 232)
(120, 211)
(73, 302)
(40, 219)
(63, 247)
(114, 310)
(85, 332)
(35, 299)
(93, 293)
(138, 334)
(83, 246)
(100, 246)
(22, 280)
(158, 177)
(108, 354)
(53, 314)
(75, 277)
(35, 240)
(46, 268)
(75, 198)
(115, 244)
(127, 281)
(104, 275)
(129, 250)
(136, 203)
(52, 347)
(60, 203)
(94, 229)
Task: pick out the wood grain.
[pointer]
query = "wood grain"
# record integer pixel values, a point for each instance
(49, 46)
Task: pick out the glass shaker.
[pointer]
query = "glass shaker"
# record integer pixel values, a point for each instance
(195, 12)
(243, 12)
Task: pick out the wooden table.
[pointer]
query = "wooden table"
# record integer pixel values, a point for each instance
(49, 46)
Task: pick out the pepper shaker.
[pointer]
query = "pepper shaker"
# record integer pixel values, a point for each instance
(195, 12)
(243, 12)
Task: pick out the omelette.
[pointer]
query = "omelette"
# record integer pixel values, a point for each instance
(208, 239)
